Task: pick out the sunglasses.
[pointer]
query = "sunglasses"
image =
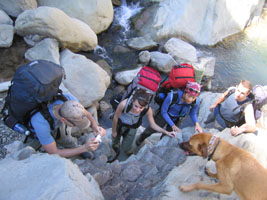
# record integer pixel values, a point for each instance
(142, 101)
(193, 90)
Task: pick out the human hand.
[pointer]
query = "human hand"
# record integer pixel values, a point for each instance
(176, 129)
(101, 131)
(235, 131)
(91, 144)
(171, 134)
(198, 128)
(212, 107)
(114, 134)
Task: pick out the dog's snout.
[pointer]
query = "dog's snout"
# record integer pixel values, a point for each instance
(184, 145)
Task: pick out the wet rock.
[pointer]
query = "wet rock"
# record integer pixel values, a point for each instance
(142, 43)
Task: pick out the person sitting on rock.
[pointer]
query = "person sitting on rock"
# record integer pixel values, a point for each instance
(233, 109)
(72, 114)
(172, 113)
(128, 117)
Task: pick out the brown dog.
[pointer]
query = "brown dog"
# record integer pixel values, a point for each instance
(236, 169)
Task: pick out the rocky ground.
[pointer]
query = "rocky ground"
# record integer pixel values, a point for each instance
(7, 135)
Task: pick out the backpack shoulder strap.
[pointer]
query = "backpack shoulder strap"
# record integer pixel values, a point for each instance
(46, 114)
(175, 95)
(231, 91)
(43, 109)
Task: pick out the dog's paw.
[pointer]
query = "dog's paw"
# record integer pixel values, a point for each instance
(186, 188)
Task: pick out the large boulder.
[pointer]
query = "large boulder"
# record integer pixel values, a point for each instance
(43, 176)
(52, 22)
(4, 18)
(84, 78)
(15, 7)
(181, 50)
(202, 21)
(98, 14)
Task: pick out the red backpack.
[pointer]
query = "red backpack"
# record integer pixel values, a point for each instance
(179, 75)
(147, 78)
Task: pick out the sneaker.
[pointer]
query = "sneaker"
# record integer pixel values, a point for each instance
(111, 159)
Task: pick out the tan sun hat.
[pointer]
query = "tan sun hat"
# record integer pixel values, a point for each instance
(75, 113)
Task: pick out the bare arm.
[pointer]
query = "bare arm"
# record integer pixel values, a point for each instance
(96, 128)
(220, 99)
(90, 145)
(155, 126)
(118, 112)
(249, 126)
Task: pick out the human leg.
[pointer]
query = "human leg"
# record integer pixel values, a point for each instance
(128, 138)
(159, 120)
(65, 138)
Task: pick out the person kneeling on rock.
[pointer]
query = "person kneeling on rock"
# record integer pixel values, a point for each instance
(72, 114)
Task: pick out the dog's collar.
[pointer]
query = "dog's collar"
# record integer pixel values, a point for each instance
(211, 150)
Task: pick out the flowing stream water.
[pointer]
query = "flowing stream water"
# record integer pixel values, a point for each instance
(240, 56)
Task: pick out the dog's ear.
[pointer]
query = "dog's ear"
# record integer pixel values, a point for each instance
(203, 149)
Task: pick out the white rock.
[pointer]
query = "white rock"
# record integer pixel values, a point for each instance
(126, 77)
(51, 22)
(98, 14)
(202, 21)
(162, 61)
(181, 50)
(4, 86)
(207, 64)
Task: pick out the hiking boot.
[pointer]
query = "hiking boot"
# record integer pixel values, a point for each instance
(87, 155)
(137, 142)
(111, 159)
(210, 118)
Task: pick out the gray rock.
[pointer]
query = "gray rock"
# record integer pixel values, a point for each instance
(131, 173)
(162, 61)
(61, 179)
(141, 43)
(144, 57)
(13, 147)
(47, 49)
(7, 34)
(15, 7)
(4, 18)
